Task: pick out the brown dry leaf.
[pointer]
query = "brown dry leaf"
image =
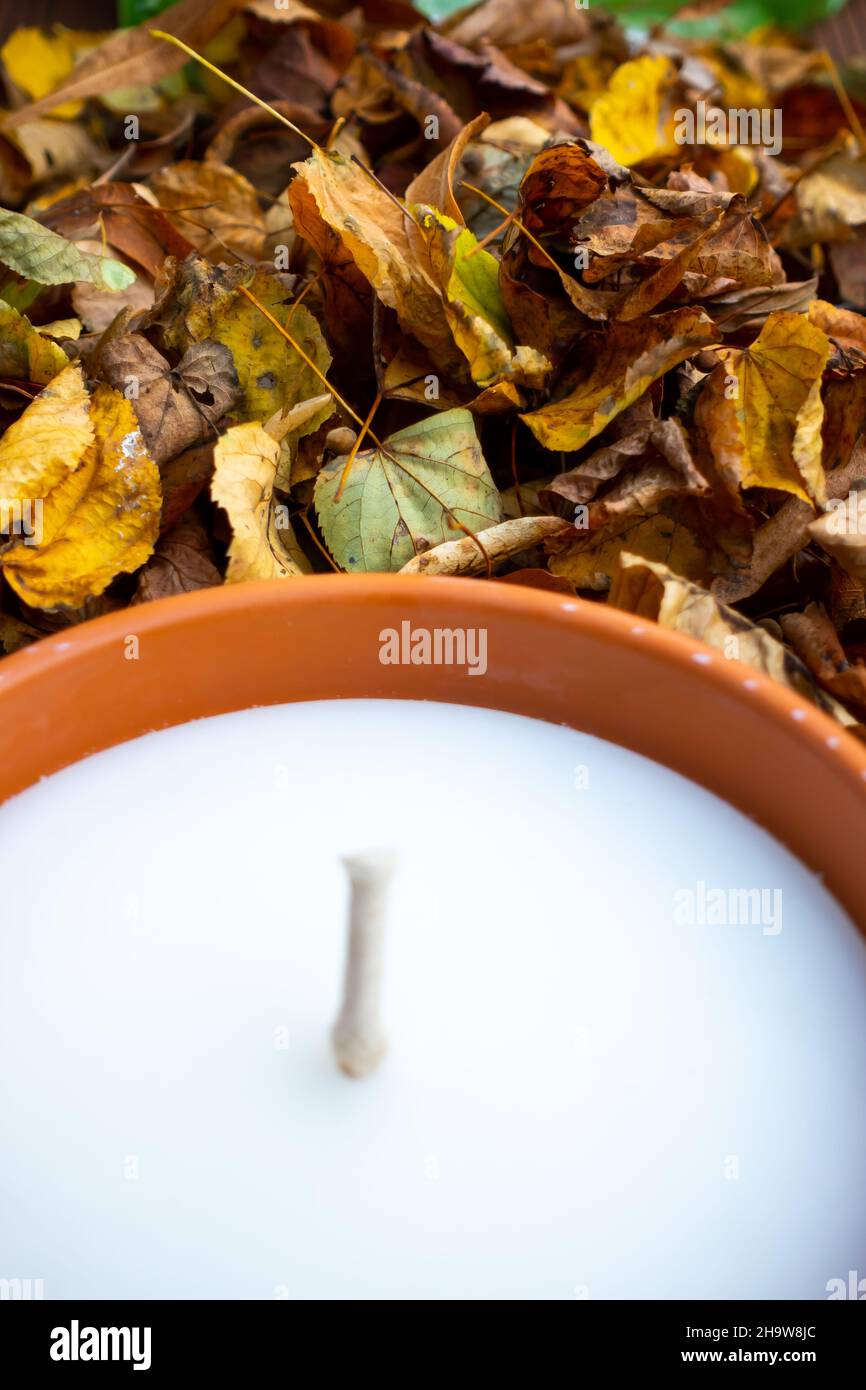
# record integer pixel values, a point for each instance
(786, 533)
(263, 544)
(646, 461)
(99, 521)
(814, 639)
(176, 407)
(181, 563)
(844, 327)
(131, 222)
(131, 58)
(220, 209)
(626, 361)
(652, 590)
(435, 184)
(761, 410)
(487, 550)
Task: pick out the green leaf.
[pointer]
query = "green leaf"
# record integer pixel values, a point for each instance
(467, 277)
(33, 251)
(425, 485)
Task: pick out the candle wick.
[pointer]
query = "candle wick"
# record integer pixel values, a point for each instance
(358, 1036)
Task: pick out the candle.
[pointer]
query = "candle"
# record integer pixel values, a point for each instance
(624, 1024)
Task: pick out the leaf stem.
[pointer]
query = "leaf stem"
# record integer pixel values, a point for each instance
(309, 361)
(356, 446)
(844, 100)
(179, 43)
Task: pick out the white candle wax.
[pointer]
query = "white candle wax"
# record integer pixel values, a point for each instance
(583, 1095)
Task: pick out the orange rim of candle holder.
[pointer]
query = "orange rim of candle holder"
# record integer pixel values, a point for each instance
(568, 661)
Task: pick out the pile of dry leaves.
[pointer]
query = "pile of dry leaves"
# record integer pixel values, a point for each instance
(513, 296)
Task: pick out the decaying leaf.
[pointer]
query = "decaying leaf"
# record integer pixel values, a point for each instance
(218, 211)
(181, 563)
(815, 640)
(628, 359)
(45, 445)
(25, 352)
(654, 591)
(762, 410)
(176, 407)
(424, 485)
(99, 521)
(39, 254)
(263, 544)
(526, 294)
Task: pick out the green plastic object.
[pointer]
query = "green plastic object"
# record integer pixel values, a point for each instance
(131, 12)
(737, 18)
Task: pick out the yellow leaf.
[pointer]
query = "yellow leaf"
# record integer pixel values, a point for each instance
(100, 521)
(45, 444)
(761, 410)
(263, 545)
(592, 561)
(25, 354)
(628, 359)
(37, 62)
(273, 378)
(632, 119)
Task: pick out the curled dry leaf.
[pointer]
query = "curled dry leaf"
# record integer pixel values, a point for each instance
(468, 280)
(182, 561)
(218, 211)
(487, 550)
(100, 520)
(46, 444)
(652, 590)
(815, 640)
(424, 485)
(762, 412)
(263, 543)
(176, 407)
(786, 533)
(26, 354)
(353, 223)
(627, 361)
